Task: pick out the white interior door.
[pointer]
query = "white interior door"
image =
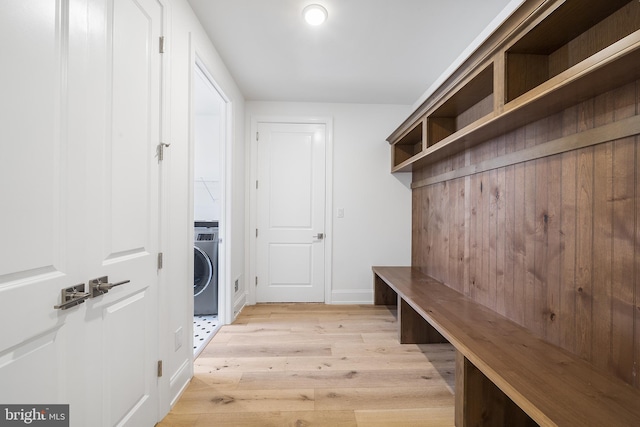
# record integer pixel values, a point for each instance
(37, 228)
(79, 188)
(290, 247)
(124, 183)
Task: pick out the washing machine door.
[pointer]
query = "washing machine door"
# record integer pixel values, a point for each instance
(202, 271)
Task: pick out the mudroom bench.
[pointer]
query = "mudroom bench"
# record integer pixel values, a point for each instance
(505, 376)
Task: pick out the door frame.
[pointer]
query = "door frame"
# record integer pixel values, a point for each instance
(253, 197)
(225, 308)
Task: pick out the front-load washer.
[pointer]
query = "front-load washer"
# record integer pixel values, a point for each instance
(205, 268)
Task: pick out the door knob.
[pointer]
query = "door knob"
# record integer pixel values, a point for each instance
(101, 286)
(318, 236)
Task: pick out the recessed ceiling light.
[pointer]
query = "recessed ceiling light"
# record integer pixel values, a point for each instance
(314, 14)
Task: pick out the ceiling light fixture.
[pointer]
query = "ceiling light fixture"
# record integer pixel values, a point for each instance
(315, 14)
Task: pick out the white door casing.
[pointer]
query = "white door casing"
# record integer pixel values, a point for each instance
(291, 226)
(83, 116)
(210, 168)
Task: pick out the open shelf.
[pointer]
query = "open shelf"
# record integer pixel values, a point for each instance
(471, 102)
(570, 34)
(564, 54)
(613, 67)
(409, 145)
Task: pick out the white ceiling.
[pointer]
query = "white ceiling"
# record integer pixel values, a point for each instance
(368, 51)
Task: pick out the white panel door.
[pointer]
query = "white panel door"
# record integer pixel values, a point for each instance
(36, 227)
(79, 126)
(290, 212)
(123, 216)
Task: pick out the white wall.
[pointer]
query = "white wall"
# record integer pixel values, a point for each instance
(376, 228)
(207, 192)
(208, 139)
(185, 38)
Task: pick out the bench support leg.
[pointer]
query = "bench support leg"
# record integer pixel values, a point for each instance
(478, 402)
(414, 329)
(382, 293)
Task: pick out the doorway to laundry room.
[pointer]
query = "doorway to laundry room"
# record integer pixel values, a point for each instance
(209, 133)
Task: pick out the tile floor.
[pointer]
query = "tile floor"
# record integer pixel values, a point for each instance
(204, 327)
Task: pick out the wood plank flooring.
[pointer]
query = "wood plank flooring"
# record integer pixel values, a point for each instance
(317, 365)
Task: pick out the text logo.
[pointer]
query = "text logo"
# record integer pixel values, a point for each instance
(34, 415)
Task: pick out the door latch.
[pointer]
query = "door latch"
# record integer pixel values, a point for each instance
(160, 149)
(70, 297)
(101, 286)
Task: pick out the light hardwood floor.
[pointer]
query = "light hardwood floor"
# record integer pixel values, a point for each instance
(317, 365)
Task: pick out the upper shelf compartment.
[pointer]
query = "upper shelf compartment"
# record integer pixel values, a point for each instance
(471, 102)
(571, 33)
(409, 145)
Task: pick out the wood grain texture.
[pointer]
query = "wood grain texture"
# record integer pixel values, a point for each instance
(501, 223)
(608, 31)
(476, 112)
(552, 66)
(622, 292)
(567, 213)
(531, 294)
(453, 253)
(416, 228)
(384, 295)
(439, 128)
(567, 263)
(524, 72)
(260, 371)
(550, 384)
(481, 403)
(623, 128)
(431, 417)
(636, 271)
(602, 242)
(414, 329)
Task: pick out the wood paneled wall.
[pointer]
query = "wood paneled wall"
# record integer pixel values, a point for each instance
(552, 243)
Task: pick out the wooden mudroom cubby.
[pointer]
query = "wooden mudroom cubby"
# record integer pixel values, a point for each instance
(563, 37)
(547, 56)
(409, 144)
(526, 188)
(471, 102)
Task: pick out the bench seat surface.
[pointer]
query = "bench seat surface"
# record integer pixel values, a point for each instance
(553, 386)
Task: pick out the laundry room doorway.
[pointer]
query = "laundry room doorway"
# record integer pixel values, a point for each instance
(209, 119)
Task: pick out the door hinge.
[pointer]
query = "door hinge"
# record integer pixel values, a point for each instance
(161, 46)
(256, 184)
(256, 280)
(159, 368)
(160, 260)
(256, 232)
(257, 136)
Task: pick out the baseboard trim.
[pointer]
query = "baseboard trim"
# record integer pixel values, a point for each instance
(238, 306)
(180, 380)
(352, 296)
